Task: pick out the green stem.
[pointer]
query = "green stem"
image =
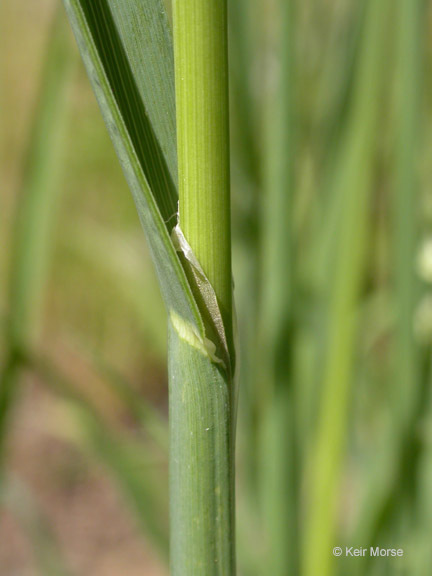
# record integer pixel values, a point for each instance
(201, 393)
(201, 71)
(201, 460)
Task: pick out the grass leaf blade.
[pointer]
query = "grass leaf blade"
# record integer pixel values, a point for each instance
(154, 202)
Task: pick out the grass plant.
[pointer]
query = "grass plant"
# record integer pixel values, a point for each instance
(326, 158)
(132, 75)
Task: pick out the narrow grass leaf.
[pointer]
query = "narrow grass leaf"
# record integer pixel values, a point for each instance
(114, 76)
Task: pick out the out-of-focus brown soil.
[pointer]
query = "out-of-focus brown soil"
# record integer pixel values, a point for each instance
(94, 528)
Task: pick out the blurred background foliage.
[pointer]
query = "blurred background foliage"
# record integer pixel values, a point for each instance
(332, 222)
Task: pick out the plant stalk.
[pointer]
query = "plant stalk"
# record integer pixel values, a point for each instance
(201, 392)
(201, 72)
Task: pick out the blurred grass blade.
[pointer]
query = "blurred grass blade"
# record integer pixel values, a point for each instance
(49, 558)
(244, 116)
(246, 183)
(278, 463)
(340, 80)
(39, 190)
(277, 258)
(337, 77)
(392, 470)
(406, 351)
(353, 181)
(424, 499)
(35, 212)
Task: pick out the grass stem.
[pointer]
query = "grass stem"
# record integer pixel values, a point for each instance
(201, 64)
(201, 393)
